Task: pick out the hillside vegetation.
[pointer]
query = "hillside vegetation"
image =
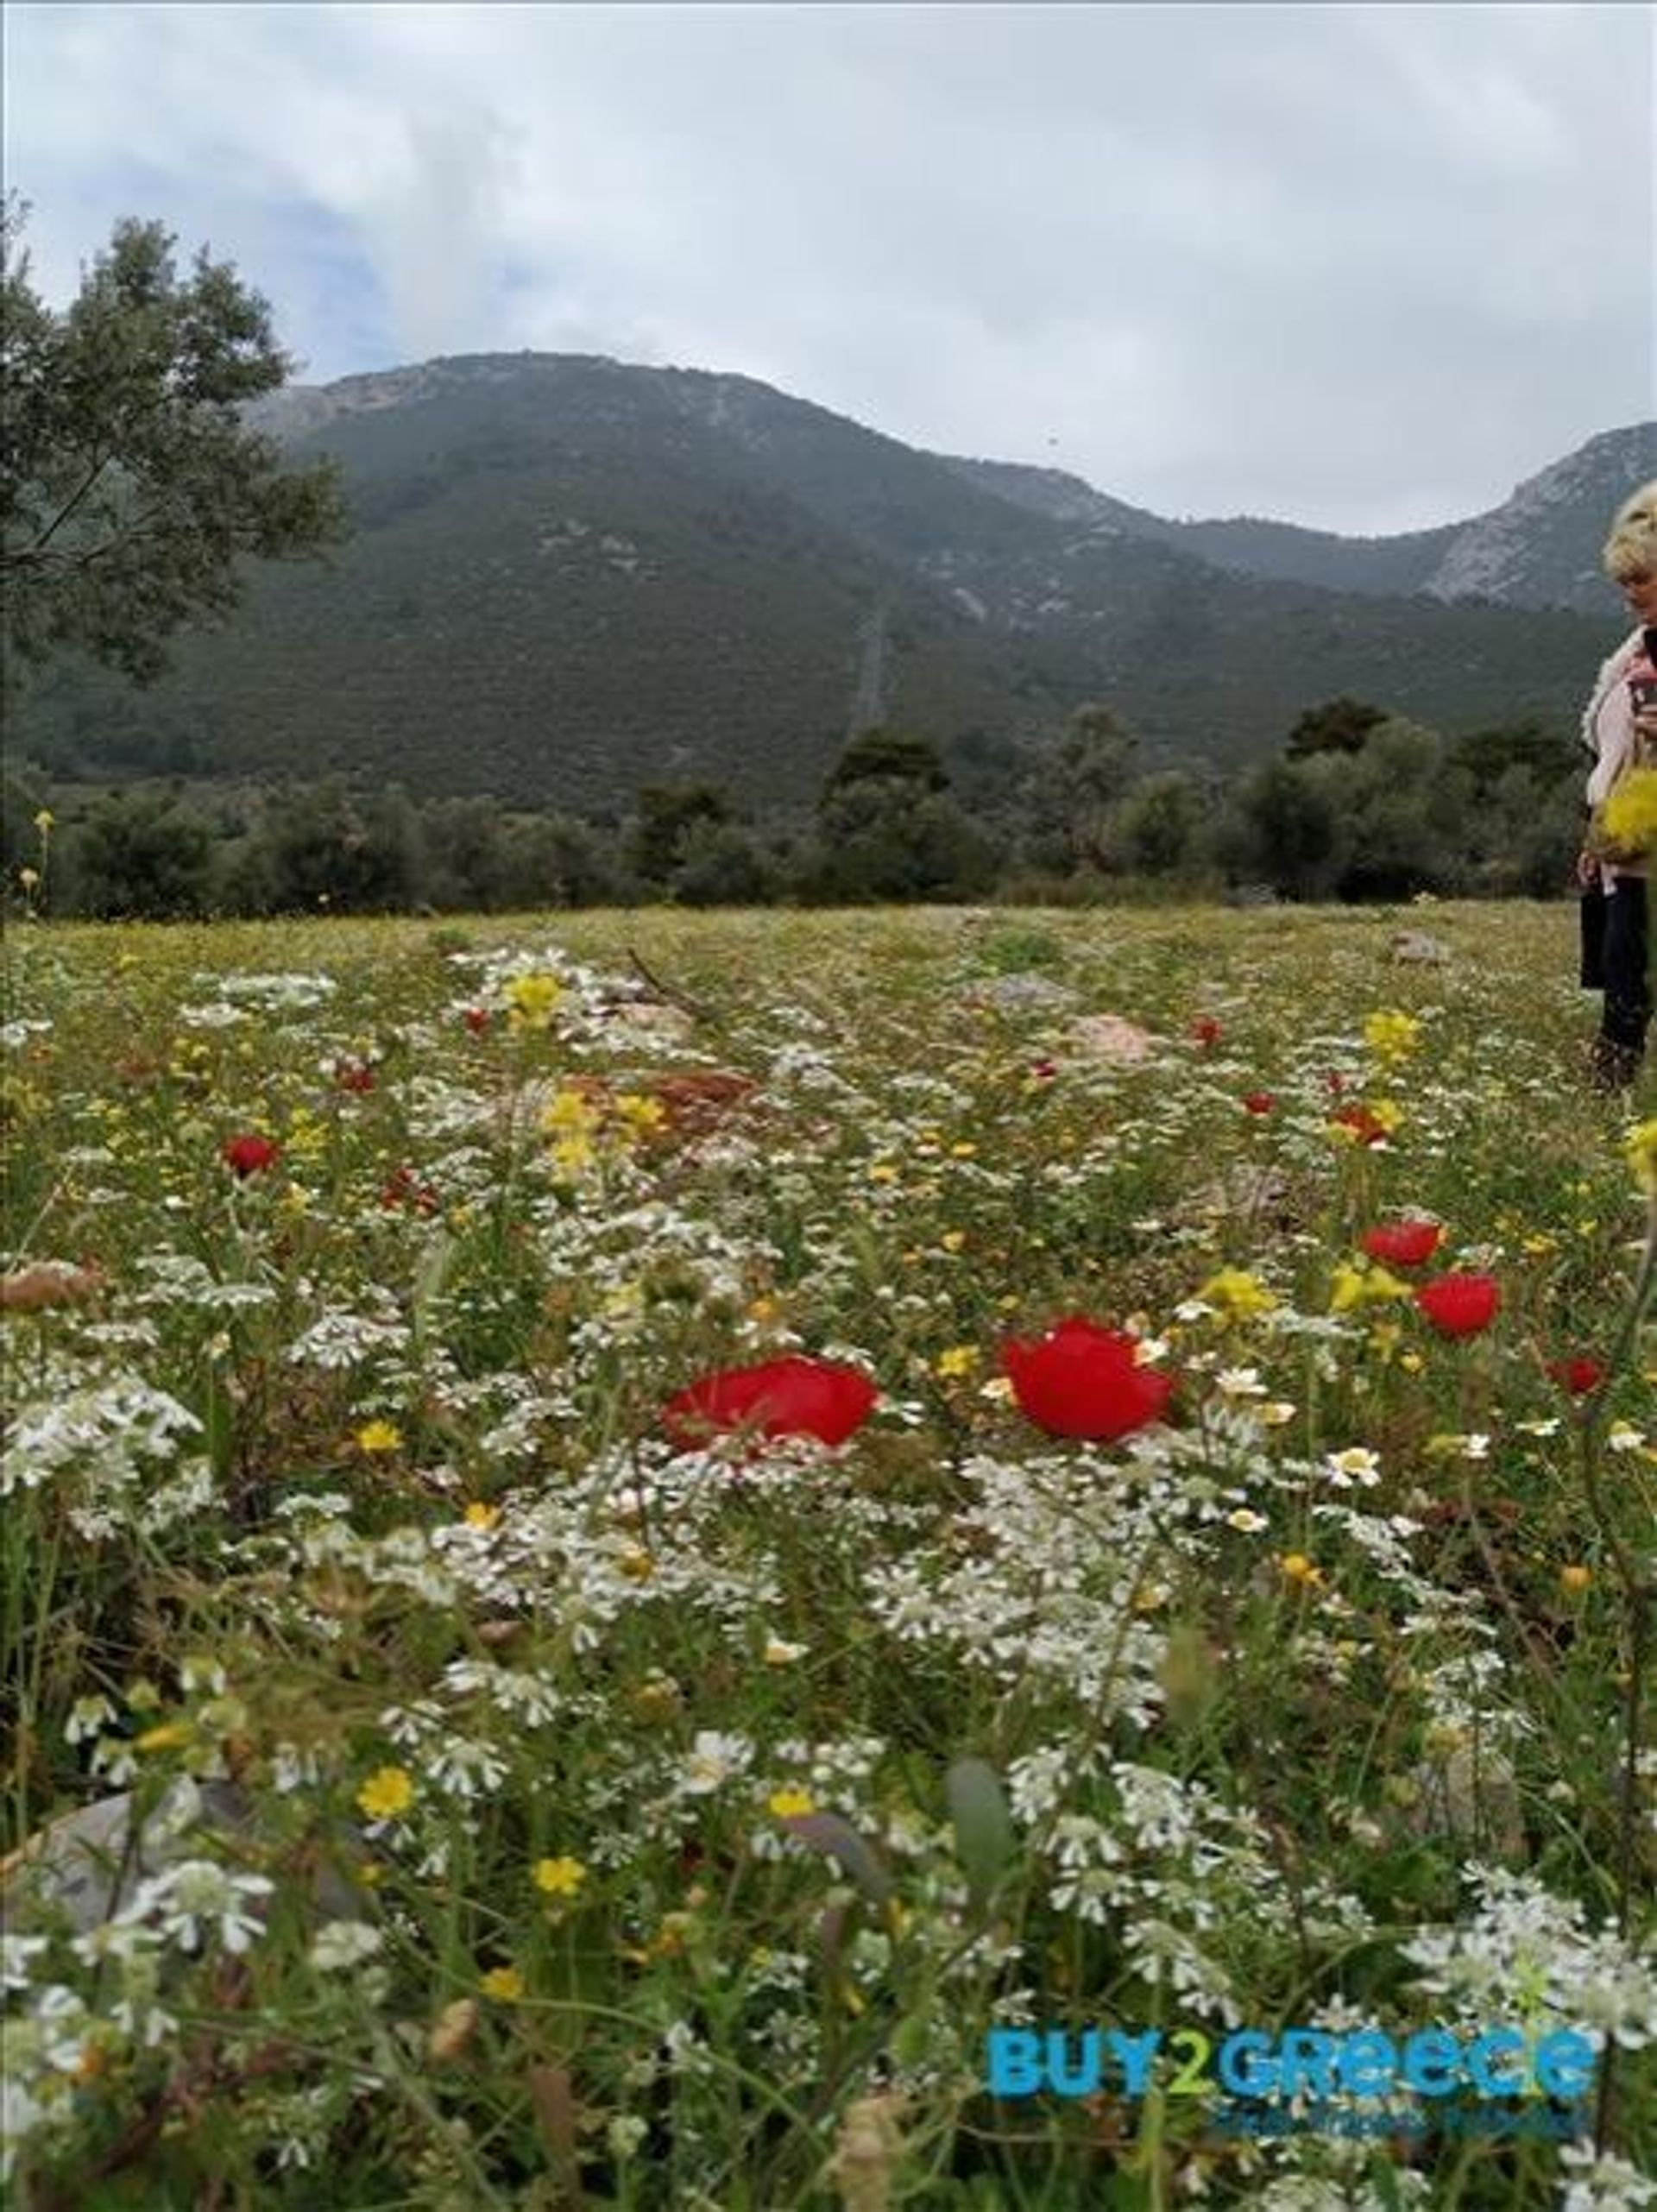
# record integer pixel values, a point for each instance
(569, 577)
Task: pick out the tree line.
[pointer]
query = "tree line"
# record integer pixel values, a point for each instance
(1358, 804)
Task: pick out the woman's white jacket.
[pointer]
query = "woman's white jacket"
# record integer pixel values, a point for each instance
(1607, 731)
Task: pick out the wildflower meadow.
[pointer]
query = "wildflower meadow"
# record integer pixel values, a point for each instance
(624, 1534)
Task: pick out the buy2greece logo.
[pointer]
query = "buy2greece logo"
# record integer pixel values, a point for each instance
(1291, 2078)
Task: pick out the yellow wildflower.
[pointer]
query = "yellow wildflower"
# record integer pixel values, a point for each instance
(387, 1792)
(1357, 1283)
(29, 879)
(532, 1000)
(1237, 1295)
(307, 1139)
(568, 1114)
(560, 1877)
(1392, 1036)
(883, 1171)
(1575, 1578)
(1296, 1567)
(379, 1436)
(479, 1516)
(952, 1239)
(504, 1983)
(573, 1155)
(45, 821)
(639, 1115)
(960, 1359)
(1641, 1154)
(791, 1804)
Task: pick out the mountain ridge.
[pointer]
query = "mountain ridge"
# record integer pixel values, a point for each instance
(1447, 557)
(571, 576)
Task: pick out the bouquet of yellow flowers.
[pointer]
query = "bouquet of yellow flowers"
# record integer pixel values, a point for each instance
(1624, 825)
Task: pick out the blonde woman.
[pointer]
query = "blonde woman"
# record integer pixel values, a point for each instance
(1620, 730)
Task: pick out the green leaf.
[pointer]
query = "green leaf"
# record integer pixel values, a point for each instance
(839, 1841)
(984, 1841)
(431, 1272)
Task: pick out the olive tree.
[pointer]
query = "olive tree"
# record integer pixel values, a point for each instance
(131, 485)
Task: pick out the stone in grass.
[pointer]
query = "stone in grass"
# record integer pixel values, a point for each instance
(84, 1868)
(1248, 1193)
(1112, 1039)
(649, 1020)
(1471, 1798)
(1418, 945)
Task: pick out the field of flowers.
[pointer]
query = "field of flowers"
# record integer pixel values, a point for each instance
(623, 1533)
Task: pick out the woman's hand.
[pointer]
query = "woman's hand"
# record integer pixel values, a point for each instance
(1587, 870)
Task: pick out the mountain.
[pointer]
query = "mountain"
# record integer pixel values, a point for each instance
(569, 577)
(1540, 548)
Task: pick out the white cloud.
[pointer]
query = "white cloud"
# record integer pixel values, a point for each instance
(1363, 265)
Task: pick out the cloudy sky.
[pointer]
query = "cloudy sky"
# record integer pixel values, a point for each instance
(1361, 266)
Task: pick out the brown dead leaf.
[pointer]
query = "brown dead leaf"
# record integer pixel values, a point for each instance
(552, 2093)
(456, 2026)
(49, 1282)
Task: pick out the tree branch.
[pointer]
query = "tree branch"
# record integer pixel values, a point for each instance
(64, 512)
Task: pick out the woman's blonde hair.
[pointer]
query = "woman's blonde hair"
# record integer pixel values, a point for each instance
(1631, 548)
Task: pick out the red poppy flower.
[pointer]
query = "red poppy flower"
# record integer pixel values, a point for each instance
(247, 1156)
(791, 1396)
(1081, 1380)
(1206, 1032)
(1336, 1081)
(354, 1075)
(1461, 1305)
(1403, 1244)
(1261, 1101)
(477, 1019)
(1364, 1125)
(1578, 1375)
(1044, 1070)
